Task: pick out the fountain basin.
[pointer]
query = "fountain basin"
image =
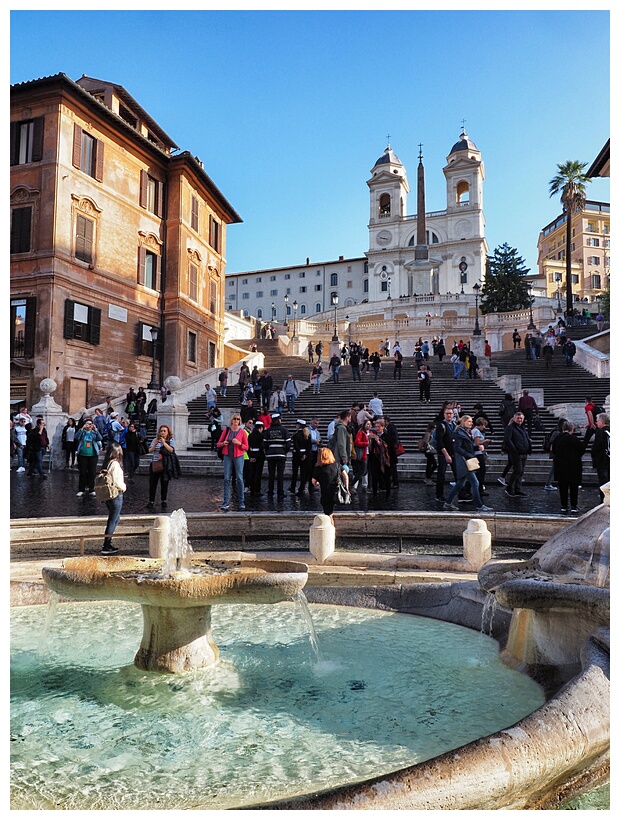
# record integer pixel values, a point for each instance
(176, 611)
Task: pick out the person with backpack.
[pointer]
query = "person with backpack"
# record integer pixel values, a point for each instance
(398, 363)
(334, 366)
(507, 409)
(548, 446)
(601, 451)
(223, 380)
(569, 351)
(88, 444)
(113, 465)
(592, 410)
(291, 391)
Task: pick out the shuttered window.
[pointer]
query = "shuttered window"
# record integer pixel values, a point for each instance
(151, 194)
(84, 232)
(87, 153)
(149, 269)
(193, 282)
(213, 297)
(21, 229)
(191, 346)
(27, 141)
(195, 213)
(23, 318)
(214, 234)
(82, 322)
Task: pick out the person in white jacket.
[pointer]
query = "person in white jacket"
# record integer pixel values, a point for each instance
(113, 463)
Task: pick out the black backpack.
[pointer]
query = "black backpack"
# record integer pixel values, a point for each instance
(596, 410)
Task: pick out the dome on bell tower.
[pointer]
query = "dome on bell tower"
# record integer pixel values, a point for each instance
(464, 144)
(388, 158)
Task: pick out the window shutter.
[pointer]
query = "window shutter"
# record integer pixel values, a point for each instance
(37, 139)
(144, 180)
(14, 143)
(139, 340)
(158, 262)
(29, 330)
(99, 160)
(84, 239)
(68, 332)
(159, 197)
(21, 219)
(141, 264)
(194, 213)
(94, 320)
(77, 145)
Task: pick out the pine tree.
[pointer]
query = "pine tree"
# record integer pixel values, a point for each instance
(505, 287)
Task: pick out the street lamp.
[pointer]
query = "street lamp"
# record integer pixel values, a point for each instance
(349, 329)
(295, 306)
(477, 331)
(273, 312)
(286, 310)
(152, 385)
(389, 287)
(558, 279)
(335, 304)
(531, 325)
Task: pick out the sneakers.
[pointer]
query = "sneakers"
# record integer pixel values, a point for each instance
(80, 494)
(448, 506)
(484, 508)
(93, 493)
(439, 500)
(242, 506)
(224, 507)
(502, 481)
(563, 510)
(549, 487)
(574, 509)
(509, 492)
(109, 550)
(20, 470)
(464, 500)
(149, 506)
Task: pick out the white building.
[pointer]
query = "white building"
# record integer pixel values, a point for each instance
(427, 252)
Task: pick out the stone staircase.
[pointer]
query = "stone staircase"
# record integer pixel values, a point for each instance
(401, 403)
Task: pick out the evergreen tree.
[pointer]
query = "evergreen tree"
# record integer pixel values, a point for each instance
(505, 287)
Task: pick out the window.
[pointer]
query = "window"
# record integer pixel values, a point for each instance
(232, 297)
(21, 229)
(273, 292)
(125, 114)
(288, 310)
(244, 281)
(214, 233)
(333, 280)
(287, 275)
(288, 290)
(462, 193)
(595, 281)
(349, 269)
(302, 310)
(384, 205)
(303, 289)
(349, 283)
(259, 313)
(272, 278)
(84, 232)
(149, 273)
(27, 141)
(82, 322)
(591, 227)
(594, 242)
(258, 279)
(365, 285)
(302, 274)
(193, 282)
(245, 295)
(259, 294)
(317, 307)
(366, 266)
(194, 217)
(231, 284)
(151, 194)
(87, 153)
(191, 346)
(594, 260)
(213, 297)
(318, 288)
(384, 287)
(23, 316)
(145, 341)
(574, 278)
(211, 361)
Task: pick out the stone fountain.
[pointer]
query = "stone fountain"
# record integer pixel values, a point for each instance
(176, 594)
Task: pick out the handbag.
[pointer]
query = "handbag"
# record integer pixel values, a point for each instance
(537, 423)
(343, 496)
(157, 466)
(400, 450)
(472, 464)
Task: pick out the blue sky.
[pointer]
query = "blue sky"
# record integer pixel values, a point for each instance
(289, 110)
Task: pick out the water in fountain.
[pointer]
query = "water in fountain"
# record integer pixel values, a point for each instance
(90, 731)
(302, 602)
(179, 552)
(52, 606)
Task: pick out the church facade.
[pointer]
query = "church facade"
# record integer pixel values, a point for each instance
(408, 255)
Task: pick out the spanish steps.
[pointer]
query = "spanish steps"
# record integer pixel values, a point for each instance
(401, 402)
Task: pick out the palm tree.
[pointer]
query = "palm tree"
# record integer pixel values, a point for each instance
(570, 182)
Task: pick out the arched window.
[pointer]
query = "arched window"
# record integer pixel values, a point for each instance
(431, 238)
(462, 192)
(385, 205)
(334, 280)
(317, 307)
(302, 310)
(365, 285)
(259, 313)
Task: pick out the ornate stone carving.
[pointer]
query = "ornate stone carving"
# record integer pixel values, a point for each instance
(86, 205)
(23, 194)
(149, 240)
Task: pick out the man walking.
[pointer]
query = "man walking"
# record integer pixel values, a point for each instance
(529, 408)
(354, 361)
(334, 366)
(211, 396)
(569, 351)
(517, 444)
(445, 451)
(291, 391)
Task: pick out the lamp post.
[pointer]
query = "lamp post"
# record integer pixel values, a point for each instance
(286, 310)
(152, 385)
(531, 325)
(335, 304)
(295, 306)
(389, 287)
(558, 279)
(477, 331)
(273, 312)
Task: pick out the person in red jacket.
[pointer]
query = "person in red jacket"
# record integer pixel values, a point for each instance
(234, 444)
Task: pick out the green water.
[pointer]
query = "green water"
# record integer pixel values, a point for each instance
(90, 731)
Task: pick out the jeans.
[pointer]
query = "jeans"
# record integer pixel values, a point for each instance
(290, 401)
(335, 371)
(317, 385)
(460, 483)
(355, 370)
(132, 461)
(376, 369)
(20, 457)
(442, 466)
(233, 464)
(114, 506)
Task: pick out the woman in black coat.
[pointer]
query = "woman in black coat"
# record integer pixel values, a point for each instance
(568, 451)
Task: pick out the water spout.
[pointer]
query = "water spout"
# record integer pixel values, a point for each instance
(179, 552)
(302, 602)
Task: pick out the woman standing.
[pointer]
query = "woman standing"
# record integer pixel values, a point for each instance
(325, 476)
(36, 445)
(464, 449)
(361, 451)
(379, 464)
(132, 450)
(568, 451)
(113, 463)
(430, 452)
(68, 442)
(159, 469)
(234, 444)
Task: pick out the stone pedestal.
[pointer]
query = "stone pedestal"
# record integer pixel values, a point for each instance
(174, 414)
(510, 384)
(477, 543)
(159, 537)
(334, 348)
(322, 538)
(55, 420)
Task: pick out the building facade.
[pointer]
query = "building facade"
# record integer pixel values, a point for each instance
(408, 255)
(590, 254)
(114, 232)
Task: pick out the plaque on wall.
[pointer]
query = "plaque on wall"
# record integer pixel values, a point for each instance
(118, 313)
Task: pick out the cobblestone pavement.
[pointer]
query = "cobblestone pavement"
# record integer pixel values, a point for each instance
(34, 497)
